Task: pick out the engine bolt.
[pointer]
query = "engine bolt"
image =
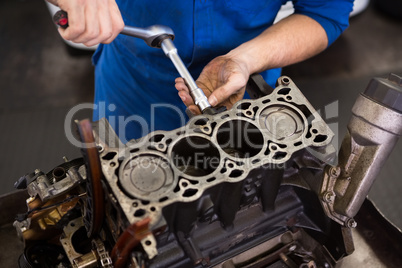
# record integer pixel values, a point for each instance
(329, 197)
(351, 223)
(334, 172)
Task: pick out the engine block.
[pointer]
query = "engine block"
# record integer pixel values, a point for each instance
(206, 171)
(233, 189)
(233, 148)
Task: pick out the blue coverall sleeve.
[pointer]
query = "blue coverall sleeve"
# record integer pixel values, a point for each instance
(332, 15)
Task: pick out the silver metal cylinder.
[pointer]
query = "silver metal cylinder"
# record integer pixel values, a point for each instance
(373, 131)
(152, 35)
(196, 93)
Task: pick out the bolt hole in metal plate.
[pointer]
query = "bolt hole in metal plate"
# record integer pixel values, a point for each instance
(244, 105)
(139, 213)
(201, 121)
(109, 156)
(156, 138)
(284, 91)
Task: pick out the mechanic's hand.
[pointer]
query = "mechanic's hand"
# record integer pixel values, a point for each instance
(91, 21)
(223, 81)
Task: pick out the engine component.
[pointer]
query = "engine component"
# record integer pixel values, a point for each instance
(249, 187)
(373, 131)
(54, 198)
(212, 167)
(83, 253)
(94, 207)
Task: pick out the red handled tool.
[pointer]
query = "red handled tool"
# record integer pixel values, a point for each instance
(61, 19)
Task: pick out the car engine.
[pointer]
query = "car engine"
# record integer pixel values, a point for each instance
(259, 185)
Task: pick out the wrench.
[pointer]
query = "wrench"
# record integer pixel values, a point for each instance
(158, 36)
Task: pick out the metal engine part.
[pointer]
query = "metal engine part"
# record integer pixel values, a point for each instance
(249, 187)
(54, 198)
(205, 178)
(373, 131)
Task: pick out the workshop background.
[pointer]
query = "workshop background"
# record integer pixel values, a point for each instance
(41, 79)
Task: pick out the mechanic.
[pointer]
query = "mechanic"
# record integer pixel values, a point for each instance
(221, 42)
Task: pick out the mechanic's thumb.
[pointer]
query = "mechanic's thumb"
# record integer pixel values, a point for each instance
(221, 94)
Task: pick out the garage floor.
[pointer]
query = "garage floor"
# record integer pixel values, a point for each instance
(40, 82)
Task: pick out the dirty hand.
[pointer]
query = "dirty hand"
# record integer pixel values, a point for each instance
(223, 81)
(91, 21)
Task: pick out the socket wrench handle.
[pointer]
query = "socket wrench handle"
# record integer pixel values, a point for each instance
(152, 35)
(159, 36)
(196, 93)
